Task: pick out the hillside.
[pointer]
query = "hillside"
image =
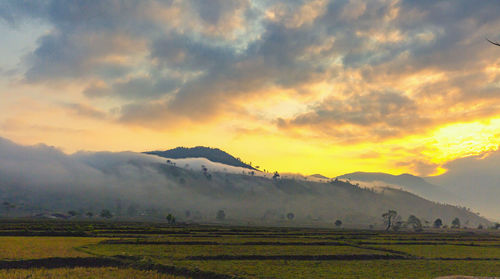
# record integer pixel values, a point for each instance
(212, 154)
(408, 182)
(140, 186)
(319, 176)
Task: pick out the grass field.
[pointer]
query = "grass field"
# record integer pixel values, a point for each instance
(12, 247)
(83, 273)
(140, 250)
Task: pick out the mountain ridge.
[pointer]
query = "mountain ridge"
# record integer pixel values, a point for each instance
(135, 185)
(408, 182)
(213, 154)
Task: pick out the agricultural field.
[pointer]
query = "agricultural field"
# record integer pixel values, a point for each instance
(84, 273)
(67, 249)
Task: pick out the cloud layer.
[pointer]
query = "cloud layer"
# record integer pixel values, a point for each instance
(359, 72)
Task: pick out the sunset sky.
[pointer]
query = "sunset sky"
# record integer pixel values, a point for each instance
(320, 86)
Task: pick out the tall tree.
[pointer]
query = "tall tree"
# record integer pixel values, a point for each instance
(438, 223)
(415, 223)
(105, 213)
(455, 223)
(390, 218)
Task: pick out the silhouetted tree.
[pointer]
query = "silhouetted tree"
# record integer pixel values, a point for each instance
(390, 219)
(72, 213)
(438, 223)
(290, 216)
(205, 172)
(89, 214)
(338, 223)
(106, 214)
(221, 215)
(497, 226)
(276, 175)
(415, 223)
(455, 223)
(480, 227)
(170, 219)
(8, 206)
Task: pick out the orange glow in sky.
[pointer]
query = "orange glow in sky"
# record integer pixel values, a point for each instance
(305, 87)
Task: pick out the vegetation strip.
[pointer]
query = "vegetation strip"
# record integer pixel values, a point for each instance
(120, 262)
(299, 257)
(259, 243)
(464, 259)
(406, 255)
(145, 264)
(430, 244)
(60, 263)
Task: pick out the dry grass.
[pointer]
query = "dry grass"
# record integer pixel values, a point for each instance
(83, 273)
(42, 247)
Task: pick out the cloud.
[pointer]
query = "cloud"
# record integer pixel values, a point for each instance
(134, 88)
(391, 68)
(375, 115)
(420, 167)
(85, 110)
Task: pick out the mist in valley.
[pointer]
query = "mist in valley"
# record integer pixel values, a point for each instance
(137, 186)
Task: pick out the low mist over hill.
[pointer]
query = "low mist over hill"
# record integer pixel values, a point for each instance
(408, 182)
(212, 154)
(39, 178)
(476, 179)
(473, 182)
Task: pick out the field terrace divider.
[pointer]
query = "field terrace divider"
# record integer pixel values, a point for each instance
(300, 257)
(140, 263)
(256, 243)
(58, 262)
(428, 243)
(404, 254)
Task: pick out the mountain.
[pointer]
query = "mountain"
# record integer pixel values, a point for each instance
(41, 179)
(408, 182)
(319, 176)
(212, 154)
(476, 179)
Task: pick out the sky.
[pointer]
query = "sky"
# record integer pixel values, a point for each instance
(318, 86)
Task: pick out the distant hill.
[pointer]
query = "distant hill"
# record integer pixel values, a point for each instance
(476, 179)
(408, 182)
(43, 180)
(319, 176)
(212, 154)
